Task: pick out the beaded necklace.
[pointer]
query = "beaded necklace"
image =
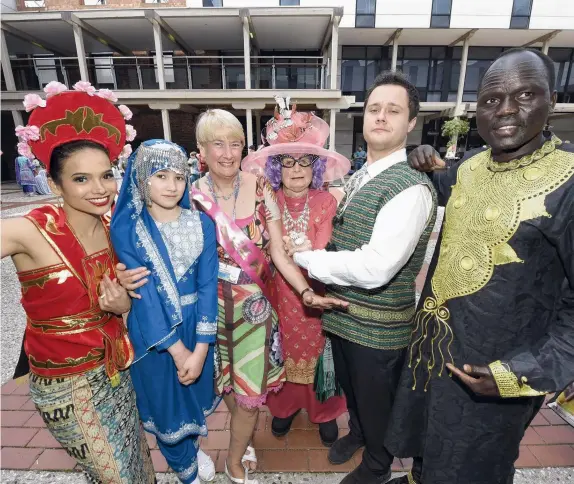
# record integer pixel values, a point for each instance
(234, 194)
(297, 229)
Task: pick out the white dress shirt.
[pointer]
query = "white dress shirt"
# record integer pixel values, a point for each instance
(398, 228)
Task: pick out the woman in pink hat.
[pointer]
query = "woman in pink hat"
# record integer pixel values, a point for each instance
(297, 165)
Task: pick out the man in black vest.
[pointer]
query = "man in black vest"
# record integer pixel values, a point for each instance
(377, 249)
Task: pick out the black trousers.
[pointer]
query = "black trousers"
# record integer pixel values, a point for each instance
(369, 378)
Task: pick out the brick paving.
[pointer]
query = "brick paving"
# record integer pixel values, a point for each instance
(27, 444)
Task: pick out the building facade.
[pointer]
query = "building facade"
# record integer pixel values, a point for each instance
(170, 59)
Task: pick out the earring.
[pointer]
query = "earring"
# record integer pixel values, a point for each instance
(149, 183)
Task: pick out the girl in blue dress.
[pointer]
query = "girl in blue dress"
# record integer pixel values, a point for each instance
(172, 323)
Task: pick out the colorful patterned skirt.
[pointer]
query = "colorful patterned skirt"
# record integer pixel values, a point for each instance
(96, 424)
(248, 355)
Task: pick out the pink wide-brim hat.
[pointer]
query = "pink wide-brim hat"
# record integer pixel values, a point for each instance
(295, 133)
(336, 168)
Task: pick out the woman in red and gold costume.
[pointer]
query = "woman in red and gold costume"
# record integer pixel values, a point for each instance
(75, 339)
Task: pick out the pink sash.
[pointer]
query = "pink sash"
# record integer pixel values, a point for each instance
(239, 247)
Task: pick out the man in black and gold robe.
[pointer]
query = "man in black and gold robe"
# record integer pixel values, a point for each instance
(494, 330)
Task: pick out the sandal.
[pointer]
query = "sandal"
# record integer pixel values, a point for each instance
(249, 456)
(236, 480)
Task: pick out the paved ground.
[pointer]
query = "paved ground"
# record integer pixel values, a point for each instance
(525, 476)
(28, 446)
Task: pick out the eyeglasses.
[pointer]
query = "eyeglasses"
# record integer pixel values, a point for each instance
(287, 161)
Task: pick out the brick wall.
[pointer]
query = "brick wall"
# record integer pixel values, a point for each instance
(55, 5)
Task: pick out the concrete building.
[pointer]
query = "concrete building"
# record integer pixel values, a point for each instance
(170, 59)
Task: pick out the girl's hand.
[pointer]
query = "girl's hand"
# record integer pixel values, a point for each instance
(193, 365)
(113, 297)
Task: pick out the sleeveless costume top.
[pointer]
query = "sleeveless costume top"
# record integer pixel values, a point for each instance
(66, 332)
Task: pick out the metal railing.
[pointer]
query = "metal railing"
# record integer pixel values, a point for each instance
(180, 72)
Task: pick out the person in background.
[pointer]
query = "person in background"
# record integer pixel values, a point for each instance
(41, 178)
(296, 165)
(25, 174)
(193, 163)
(359, 158)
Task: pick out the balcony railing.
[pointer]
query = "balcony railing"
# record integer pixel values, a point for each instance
(180, 72)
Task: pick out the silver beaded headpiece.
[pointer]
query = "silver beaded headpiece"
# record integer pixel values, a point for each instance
(151, 159)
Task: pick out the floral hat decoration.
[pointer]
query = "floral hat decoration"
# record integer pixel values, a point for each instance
(83, 113)
(296, 133)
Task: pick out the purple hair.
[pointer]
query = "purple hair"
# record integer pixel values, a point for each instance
(273, 170)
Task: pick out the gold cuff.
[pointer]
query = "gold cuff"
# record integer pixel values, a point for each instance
(508, 384)
(410, 478)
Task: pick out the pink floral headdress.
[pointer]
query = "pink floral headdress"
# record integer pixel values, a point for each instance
(68, 115)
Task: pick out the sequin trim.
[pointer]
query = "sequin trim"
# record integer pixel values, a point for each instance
(188, 299)
(185, 474)
(174, 437)
(206, 327)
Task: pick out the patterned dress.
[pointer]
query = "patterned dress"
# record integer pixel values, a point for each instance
(302, 334)
(248, 340)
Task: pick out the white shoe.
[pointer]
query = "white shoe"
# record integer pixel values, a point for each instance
(206, 467)
(236, 480)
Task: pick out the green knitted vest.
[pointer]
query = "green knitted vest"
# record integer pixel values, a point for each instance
(378, 318)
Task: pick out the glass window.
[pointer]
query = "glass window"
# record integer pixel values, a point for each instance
(289, 3)
(34, 3)
(441, 7)
(440, 21)
(213, 3)
(522, 8)
(104, 67)
(519, 22)
(365, 7)
(561, 58)
(436, 74)
(353, 75)
(350, 53)
(365, 21)
(94, 2)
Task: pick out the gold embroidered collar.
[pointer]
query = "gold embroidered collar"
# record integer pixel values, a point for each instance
(547, 148)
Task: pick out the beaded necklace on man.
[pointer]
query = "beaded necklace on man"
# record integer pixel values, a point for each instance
(297, 229)
(234, 193)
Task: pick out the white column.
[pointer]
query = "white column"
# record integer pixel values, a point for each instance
(6, 65)
(247, 53)
(334, 54)
(332, 127)
(395, 53)
(249, 123)
(166, 125)
(159, 58)
(17, 117)
(258, 127)
(462, 77)
(81, 52)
